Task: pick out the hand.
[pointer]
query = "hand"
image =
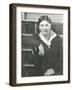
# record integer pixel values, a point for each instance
(50, 71)
(41, 50)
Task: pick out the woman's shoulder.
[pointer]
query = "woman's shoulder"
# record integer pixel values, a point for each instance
(36, 39)
(35, 36)
(58, 38)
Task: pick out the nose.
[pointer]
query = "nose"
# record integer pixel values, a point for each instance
(44, 27)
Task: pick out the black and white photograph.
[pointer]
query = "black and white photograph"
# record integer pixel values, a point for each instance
(41, 44)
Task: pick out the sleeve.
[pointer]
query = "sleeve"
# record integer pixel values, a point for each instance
(36, 58)
(60, 57)
(36, 42)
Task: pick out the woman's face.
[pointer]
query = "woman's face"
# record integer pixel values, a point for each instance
(45, 27)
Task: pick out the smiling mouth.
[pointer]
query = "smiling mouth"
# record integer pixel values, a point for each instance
(45, 32)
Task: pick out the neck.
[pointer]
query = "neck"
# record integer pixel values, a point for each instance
(47, 36)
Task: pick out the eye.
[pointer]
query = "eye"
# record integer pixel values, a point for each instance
(46, 25)
(42, 25)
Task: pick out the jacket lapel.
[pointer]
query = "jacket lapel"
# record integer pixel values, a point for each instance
(47, 42)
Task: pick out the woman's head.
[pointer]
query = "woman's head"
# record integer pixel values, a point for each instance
(44, 24)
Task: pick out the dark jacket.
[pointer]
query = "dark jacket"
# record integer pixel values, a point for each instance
(53, 57)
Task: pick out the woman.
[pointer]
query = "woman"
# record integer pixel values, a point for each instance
(47, 49)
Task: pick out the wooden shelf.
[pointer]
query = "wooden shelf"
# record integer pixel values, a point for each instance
(29, 20)
(28, 65)
(30, 50)
(26, 34)
(37, 21)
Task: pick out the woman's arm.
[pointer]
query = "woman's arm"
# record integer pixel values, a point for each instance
(61, 57)
(59, 65)
(37, 45)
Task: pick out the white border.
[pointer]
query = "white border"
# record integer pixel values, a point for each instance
(63, 77)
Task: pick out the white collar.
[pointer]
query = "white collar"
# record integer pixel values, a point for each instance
(47, 42)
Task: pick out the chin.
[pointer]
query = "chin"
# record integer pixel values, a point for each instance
(45, 34)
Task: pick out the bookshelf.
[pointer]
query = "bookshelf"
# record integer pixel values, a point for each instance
(28, 28)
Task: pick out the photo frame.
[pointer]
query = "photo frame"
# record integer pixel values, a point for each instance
(24, 65)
